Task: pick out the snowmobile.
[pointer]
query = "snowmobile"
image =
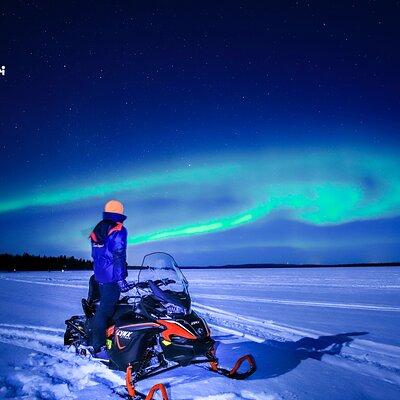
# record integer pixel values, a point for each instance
(154, 330)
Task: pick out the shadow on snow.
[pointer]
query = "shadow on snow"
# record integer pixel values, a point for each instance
(275, 358)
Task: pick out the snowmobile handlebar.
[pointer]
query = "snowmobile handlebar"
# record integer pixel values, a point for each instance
(145, 284)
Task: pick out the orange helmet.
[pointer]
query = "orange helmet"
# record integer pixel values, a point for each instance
(114, 206)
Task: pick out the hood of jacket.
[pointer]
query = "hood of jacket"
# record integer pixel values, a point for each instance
(102, 229)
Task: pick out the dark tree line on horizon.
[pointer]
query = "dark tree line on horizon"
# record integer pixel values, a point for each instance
(28, 262)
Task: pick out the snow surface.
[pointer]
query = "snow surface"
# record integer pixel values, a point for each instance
(315, 334)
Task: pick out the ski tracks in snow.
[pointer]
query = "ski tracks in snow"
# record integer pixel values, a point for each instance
(55, 372)
(51, 371)
(363, 356)
(323, 304)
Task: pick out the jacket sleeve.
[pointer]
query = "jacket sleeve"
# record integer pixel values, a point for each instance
(119, 254)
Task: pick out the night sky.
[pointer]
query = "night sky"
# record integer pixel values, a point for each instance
(233, 132)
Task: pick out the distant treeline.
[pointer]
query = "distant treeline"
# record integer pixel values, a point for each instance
(263, 266)
(28, 262)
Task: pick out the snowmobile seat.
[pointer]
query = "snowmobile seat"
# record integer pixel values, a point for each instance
(89, 308)
(124, 315)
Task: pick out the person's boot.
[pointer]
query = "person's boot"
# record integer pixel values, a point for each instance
(101, 355)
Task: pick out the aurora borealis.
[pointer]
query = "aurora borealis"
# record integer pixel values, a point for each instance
(316, 188)
(272, 143)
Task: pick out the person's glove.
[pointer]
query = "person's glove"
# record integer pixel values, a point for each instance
(124, 286)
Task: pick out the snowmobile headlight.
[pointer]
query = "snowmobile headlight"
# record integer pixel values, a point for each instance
(174, 309)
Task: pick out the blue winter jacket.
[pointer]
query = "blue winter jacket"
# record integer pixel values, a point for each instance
(108, 240)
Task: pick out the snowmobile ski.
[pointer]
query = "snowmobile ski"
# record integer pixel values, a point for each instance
(135, 395)
(234, 373)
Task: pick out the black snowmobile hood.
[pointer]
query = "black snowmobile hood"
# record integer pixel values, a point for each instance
(165, 296)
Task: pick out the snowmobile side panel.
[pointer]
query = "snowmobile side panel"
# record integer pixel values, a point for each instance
(174, 328)
(195, 324)
(183, 351)
(130, 342)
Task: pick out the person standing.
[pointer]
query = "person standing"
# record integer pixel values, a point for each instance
(108, 240)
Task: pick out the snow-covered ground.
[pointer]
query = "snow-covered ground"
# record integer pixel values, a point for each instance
(315, 334)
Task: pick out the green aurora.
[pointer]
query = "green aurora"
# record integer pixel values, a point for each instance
(319, 187)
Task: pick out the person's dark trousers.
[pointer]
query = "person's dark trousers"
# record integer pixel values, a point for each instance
(109, 295)
(94, 290)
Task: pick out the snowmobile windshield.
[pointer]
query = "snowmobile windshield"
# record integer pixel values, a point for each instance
(160, 275)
